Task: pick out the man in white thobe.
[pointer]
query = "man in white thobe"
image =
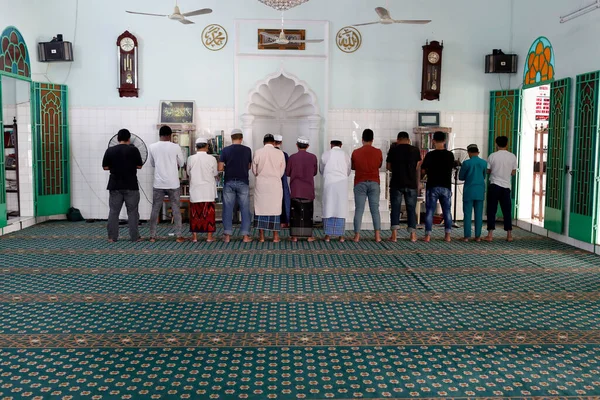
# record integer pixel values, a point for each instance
(268, 166)
(335, 168)
(202, 170)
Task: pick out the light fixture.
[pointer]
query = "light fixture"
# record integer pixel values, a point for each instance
(282, 5)
(580, 12)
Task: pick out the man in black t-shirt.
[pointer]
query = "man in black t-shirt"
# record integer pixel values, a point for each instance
(438, 165)
(123, 161)
(404, 162)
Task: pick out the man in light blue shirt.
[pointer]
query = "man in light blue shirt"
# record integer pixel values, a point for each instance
(472, 172)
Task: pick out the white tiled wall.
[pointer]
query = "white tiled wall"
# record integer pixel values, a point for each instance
(90, 131)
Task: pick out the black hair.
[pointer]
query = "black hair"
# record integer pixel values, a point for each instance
(336, 143)
(367, 135)
(201, 145)
(123, 135)
(237, 136)
(403, 135)
(302, 146)
(502, 141)
(165, 131)
(439, 136)
(268, 139)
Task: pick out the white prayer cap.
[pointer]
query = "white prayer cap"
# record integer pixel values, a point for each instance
(201, 140)
(278, 138)
(237, 132)
(303, 140)
(335, 139)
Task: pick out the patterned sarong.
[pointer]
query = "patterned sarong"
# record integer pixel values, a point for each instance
(334, 226)
(301, 218)
(202, 217)
(267, 222)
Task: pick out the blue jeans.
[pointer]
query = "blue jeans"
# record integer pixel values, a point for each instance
(410, 199)
(363, 191)
(236, 191)
(468, 206)
(444, 195)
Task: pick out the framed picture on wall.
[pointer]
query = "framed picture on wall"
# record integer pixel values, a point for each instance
(267, 37)
(177, 112)
(429, 119)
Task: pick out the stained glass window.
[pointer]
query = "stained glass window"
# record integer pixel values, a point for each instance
(539, 66)
(14, 57)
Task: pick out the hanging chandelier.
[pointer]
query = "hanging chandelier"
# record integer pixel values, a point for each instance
(282, 5)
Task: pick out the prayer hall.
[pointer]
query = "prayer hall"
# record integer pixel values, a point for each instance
(299, 199)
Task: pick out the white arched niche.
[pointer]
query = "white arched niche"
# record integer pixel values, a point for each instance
(283, 105)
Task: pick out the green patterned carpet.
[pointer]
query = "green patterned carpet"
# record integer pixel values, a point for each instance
(84, 319)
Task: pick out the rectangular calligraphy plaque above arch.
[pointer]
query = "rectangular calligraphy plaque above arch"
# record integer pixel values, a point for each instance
(268, 42)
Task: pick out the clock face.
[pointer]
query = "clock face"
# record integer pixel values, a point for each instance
(433, 57)
(127, 44)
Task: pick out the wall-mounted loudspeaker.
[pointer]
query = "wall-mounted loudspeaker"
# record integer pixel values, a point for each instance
(500, 63)
(55, 50)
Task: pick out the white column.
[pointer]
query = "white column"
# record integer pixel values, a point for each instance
(314, 130)
(247, 123)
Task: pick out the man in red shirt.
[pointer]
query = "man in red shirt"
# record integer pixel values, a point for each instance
(366, 162)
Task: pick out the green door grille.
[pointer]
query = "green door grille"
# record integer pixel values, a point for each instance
(505, 120)
(3, 215)
(584, 187)
(558, 127)
(51, 149)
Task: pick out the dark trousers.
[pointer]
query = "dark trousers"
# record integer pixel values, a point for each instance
(410, 198)
(498, 194)
(116, 198)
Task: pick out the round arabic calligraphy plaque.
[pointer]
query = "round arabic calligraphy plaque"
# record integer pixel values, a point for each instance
(214, 37)
(348, 39)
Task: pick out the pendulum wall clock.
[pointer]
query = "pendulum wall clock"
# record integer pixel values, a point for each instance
(432, 71)
(127, 49)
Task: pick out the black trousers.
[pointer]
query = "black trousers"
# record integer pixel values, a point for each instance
(498, 194)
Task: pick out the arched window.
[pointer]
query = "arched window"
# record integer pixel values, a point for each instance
(539, 64)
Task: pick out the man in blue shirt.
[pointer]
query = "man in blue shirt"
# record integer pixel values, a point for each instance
(472, 172)
(236, 161)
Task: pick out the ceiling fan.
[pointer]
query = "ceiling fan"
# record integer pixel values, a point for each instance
(386, 19)
(177, 14)
(283, 40)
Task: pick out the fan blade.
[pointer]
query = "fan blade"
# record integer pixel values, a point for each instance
(269, 36)
(367, 23)
(197, 12)
(412, 21)
(141, 13)
(307, 41)
(383, 13)
(186, 21)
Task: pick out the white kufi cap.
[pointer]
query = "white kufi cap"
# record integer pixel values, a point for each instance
(278, 138)
(201, 140)
(237, 132)
(303, 140)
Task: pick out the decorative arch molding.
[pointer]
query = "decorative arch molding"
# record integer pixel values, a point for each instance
(262, 104)
(539, 64)
(14, 55)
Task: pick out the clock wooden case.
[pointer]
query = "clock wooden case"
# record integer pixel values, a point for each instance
(127, 49)
(431, 81)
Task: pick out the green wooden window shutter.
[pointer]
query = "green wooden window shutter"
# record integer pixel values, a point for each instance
(52, 184)
(505, 120)
(558, 130)
(3, 215)
(584, 189)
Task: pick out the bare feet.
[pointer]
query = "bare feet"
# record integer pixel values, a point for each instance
(111, 241)
(427, 239)
(356, 238)
(261, 236)
(227, 238)
(489, 238)
(377, 236)
(276, 237)
(152, 240)
(509, 237)
(194, 238)
(180, 239)
(247, 239)
(447, 237)
(342, 239)
(327, 238)
(413, 237)
(294, 239)
(210, 238)
(311, 239)
(478, 240)
(464, 239)
(394, 237)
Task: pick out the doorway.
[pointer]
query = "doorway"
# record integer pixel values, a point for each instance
(533, 154)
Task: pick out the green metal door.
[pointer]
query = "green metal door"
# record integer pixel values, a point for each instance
(3, 215)
(505, 120)
(584, 189)
(560, 101)
(52, 184)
